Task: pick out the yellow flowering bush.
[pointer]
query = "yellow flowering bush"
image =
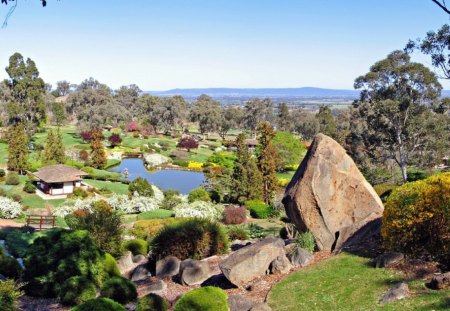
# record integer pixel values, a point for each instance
(282, 182)
(195, 166)
(416, 219)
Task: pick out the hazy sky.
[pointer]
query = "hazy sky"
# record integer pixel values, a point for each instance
(164, 44)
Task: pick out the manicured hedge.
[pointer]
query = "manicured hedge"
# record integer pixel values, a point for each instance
(205, 299)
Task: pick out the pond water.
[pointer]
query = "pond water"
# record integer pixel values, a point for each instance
(182, 181)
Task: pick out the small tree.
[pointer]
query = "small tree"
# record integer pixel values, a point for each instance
(187, 143)
(132, 126)
(17, 148)
(86, 136)
(54, 148)
(199, 194)
(59, 113)
(98, 156)
(141, 186)
(114, 140)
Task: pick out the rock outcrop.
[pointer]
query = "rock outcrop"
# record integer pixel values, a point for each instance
(330, 197)
(250, 262)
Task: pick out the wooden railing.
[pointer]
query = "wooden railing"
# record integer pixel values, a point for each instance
(41, 222)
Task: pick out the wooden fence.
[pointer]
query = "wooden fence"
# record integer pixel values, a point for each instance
(41, 222)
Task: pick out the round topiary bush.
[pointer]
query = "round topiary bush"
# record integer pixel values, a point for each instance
(416, 218)
(193, 238)
(29, 187)
(110, 265)
(77, 290)
(204, 298)
(199, 194)
(100, 304)
(141, 186)
(119, 289)
(152, 302)
(12, 179)
(136, 246)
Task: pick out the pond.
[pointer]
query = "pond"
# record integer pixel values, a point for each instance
(182, 181)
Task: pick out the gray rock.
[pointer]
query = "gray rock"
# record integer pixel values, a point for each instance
(281, 264)
(126, 264)
(261, 307)
(387, 259)
(152, 287)
(238, 244)
(139, 259)
(399, 291)
(239, 303)
(440, 281)
(298, 257)
(194, 272)
(248, 263)
(168, 267)
(140, 273)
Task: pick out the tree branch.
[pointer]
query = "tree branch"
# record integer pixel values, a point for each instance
(442, 5)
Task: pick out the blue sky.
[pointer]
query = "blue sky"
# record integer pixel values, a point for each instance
(164, 44)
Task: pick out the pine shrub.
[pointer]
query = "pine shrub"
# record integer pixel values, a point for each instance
(76, 290)
(100, 304)
(136, 246)
(204, 298)
(110, 266)
(141, 186)
(9, 267)
(152, 302)
(260, 210)
(12, 179)
(199, 194)
(237, 233)
(29, 187)
(10, 292)
(147, 229)
(119, 289)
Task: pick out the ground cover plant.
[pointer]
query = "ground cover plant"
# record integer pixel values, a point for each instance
(204, 298)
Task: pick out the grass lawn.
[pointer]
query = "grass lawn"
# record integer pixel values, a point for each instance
(115, 187)
(347, 282)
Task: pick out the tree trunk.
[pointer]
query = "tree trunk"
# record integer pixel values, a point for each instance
(402, 157)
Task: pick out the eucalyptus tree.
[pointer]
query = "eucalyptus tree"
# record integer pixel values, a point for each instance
(127, 96)
(231, 118)
(256, 111)
(207, 112)
(169, 113)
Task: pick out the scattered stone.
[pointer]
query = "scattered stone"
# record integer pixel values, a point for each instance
(281, 264)
(248, 263)
(140, 273)
(399, 291)
(261, 307)
(139, 259)
(440, 281)
(168, 267)
(387, 259)
(298, 256)
(126, 264)
(330, 197)
(193, 272)
(155, 286)
(239, 303)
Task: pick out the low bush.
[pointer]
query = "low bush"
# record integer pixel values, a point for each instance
(10, 292)
(152, 302)
(141, 186)
(199, 209)
(100, 304)
(29, 187)
(147, 229)
(194, 238)
(195, 166)
(12, 179)
(256, 232)
(76, 290)
(199, 194)
(416, 218)
(16, 198)
(110, 266)
(237, 233)
(156, 214)
(259, 209)
(181, 163)
(79, 193)
(9, 208)
(207, 298)
(9, 267)
(2, 172)
(306, 241)
(416, 174)
(136, 246)
(171, 199)
(119, 289)
(234, 215)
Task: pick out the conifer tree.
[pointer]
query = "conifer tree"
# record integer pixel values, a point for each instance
(98, 156)
(59, 150)
(267, 160)
(17, 148)
(47, 153)
(54, 149)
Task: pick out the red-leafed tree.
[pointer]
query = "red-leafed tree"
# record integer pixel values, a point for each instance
(132, 126)
(115, 140)
(188, 143)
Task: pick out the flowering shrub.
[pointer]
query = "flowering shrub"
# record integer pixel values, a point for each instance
(282, 182)
(9, 208)
(155, 159)
(199, 209)
(132, 126)
(416, 219)
(187, 143)
(115, 140)
(195, 166)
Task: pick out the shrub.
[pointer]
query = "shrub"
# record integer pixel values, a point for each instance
(77, 290)
(384, 190)
(9, 208)
(204, 298)
(9, 267)
(136, 246)
(29, 187)
(181, 163)
(114, 140)
(415, 175)
(156, 214)
(416, 218)
(256, 232)
(194, 238)
(16, 198)
(132, 126)
(152, 302)
(58, 256)
(187, 143)
(2, 172)
(84, 155)
(79, 193)
(147, 229)
(259, 209)
(100, 304)
(199, 194)
(171, 199)
(10, 292)
(119, 289)
(86, 136)
(12, 179)
(234, 215)
(195, 166)
(135, 134)
(306, 241)
(199, 209)
(141, 186)
(110, 266)
(237, 233)
(222, 159)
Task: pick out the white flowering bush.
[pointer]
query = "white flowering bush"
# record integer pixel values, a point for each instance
(9, 208)
(155, 159)
(199, 209)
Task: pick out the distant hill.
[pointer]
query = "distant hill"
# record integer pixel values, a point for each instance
(263, 92)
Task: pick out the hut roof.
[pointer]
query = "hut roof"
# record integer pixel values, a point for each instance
(59, 173)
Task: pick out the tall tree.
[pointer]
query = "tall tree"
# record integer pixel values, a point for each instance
(54, 148)
(289, 149)
(168, 113)
(231, 118)
(256, 111)
(283, 118)
(62, 88)
(27, 105)
(267, 160)
(305, 124)
(127, 96)
(98, 156)
(59, 113)
(17, 148)
(327, 125)
(206, 111)
(395, 95)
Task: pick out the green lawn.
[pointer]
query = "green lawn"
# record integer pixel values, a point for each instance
(348, 282)
(115, 187)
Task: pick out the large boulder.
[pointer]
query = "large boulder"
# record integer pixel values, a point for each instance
(140, 273)
(330, 197)
(298, 257)
(440, 281)
(193, 272)
(167, 267)
(250, 262)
